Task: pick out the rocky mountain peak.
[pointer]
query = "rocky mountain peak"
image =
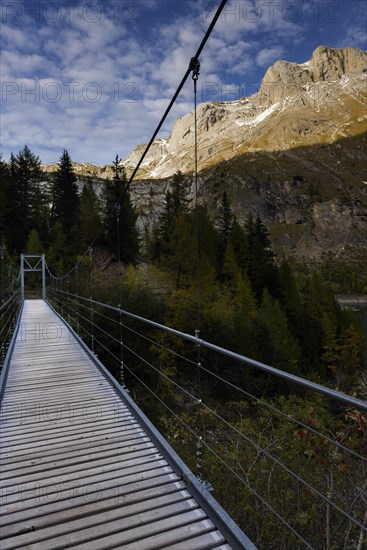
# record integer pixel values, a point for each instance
(334, 63)
(285, 79)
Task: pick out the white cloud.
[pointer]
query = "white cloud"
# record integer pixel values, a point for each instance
(268, 55)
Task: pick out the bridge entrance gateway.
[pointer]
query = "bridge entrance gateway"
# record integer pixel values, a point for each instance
(32, 263)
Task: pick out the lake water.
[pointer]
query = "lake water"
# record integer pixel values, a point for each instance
(359, 306)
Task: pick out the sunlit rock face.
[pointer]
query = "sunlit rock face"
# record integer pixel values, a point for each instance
(319, 101)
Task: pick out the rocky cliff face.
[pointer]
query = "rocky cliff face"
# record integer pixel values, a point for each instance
(313, 199)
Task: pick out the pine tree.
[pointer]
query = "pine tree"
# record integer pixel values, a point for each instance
(238, 238)
(279, 346)
(175, 206)
(58, 252)
(34, 245)
(26, 198)
(89, 215)
(230, 269)
(224, 224)
(261, 268)
(65, 200)
(121, 233)
(4, 187)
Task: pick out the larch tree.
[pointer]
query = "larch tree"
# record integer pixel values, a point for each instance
(121, 233)
(90, 220)
(65, 197)
(26, 198)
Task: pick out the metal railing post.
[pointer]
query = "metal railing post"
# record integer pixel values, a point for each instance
(22, 276)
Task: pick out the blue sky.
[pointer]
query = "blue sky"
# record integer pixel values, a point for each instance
(94, 77)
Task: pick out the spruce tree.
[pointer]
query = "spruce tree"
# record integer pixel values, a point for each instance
(26, 198)
(175, 206)
(89, 215)
(58, 252)
(280, 348)
(224, 224)
(65, 200)
(261, 268)
(4, 187)
(34, 245)
(238, 238)
(121, 234)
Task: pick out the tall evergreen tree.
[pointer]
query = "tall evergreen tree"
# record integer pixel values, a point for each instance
(280, 348)
(261, 268)
(121, 233)
(224, 224)
(238, 238)
(65, 199)
(4, 187)
(175, 206)
(89, 215)
(34, 245)
(26, 198)
(58, 251)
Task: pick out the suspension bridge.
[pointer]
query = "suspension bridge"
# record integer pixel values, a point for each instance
(81, 464)
(83, 467)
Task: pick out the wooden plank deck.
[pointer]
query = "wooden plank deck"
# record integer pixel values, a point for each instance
(77, 470)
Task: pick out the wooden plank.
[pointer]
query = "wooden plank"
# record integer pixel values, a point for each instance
(35, 463)
(72, 444)
(98, 431)
(76, 530)
(72, 450)
(116, 484)
(208, 541)
(74, 472)
(126, 529)
(50, 513)
(179, 537)
(166, 530)
(66, 466)
(53, 412)
(80, 422)
(74, 519)
(59, 396)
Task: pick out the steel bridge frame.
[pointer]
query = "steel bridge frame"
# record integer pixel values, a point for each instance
(33, 267)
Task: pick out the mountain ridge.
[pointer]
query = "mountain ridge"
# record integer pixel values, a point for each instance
(298, 163)
(319, 101)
